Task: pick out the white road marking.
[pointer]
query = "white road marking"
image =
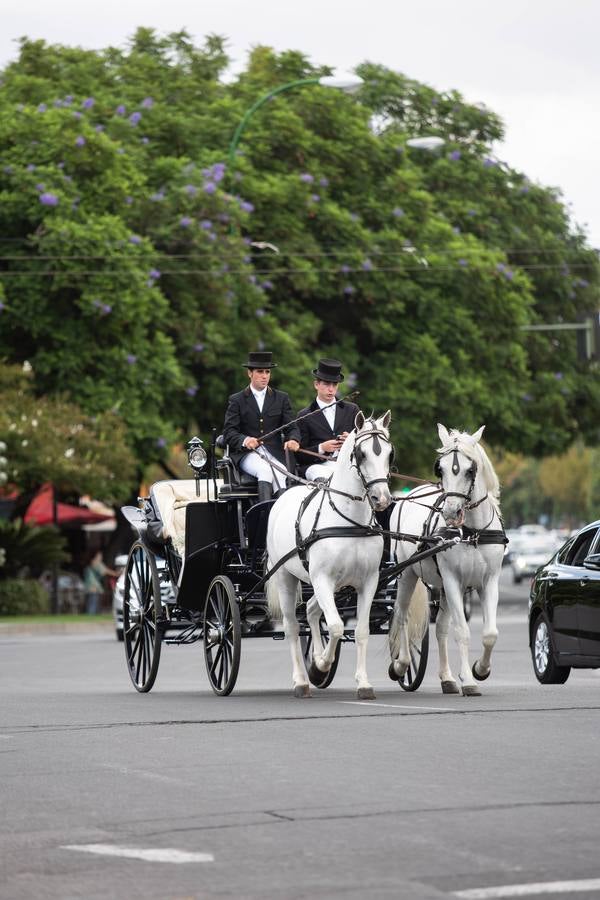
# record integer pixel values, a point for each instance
(528, 890)
(393, 705)
(153, 854)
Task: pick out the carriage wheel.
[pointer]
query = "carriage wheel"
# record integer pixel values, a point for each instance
(316, 678)
(141, 612)
(222, 635)
(418, 663)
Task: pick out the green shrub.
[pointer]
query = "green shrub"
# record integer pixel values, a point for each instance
(22, 597)
(29, 549)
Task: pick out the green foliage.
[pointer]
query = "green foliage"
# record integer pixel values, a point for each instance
(131, 281)
(23, 596)
(28, 550)
(50, 439)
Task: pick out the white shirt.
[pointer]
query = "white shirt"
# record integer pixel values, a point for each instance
(329, 414)
(259, 396)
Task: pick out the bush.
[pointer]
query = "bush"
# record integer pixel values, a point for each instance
(29, 549)
(23, 597)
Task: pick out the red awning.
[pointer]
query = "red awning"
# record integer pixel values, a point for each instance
(40, 511)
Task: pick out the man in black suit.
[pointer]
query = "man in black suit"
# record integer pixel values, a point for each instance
(325, 431)
(256, 411)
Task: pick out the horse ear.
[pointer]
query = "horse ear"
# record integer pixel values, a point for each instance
(359, 421)
(478, 435)
(386, 419)
(443, 433)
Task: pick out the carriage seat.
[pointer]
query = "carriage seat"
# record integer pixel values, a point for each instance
(235, 482)
(169, 500)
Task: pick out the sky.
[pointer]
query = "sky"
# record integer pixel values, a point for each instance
(535, 63)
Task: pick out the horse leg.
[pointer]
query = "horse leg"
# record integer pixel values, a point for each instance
(462, 635)
(287, 586)
(489, 635)
(313, 617)
(326, 601)
(398, 632)
(361, 637)
(449, 685)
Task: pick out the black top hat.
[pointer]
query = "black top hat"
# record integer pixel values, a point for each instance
(260, 359)
(328, 370)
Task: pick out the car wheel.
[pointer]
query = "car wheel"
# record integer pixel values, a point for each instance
(542, 655)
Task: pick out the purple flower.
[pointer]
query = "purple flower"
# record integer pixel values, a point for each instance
(558, 375)
(218, 171)
(161, 442)
(191, 189)
(31, 167)
(68, 100)
(307, 178)
(344, 268)
(76, 114)
(398, 212)
(500, 267)
(324, 182)
(97, 303)
(489, 163)
(135, 239)
(267, 285)
(154, 273)
(88, 103)
(509, 274)
(192, 390)
(246, 206)
(2, 306)
(354, 216)
(157, 196)
(42, 107)
(80, 141)
(456, 154)
(463, 262)
(315, 198)
(582, 282)
(128, 200)
(471, 212)
(131, 359)
(349, 289)
(121, 109)
(58, 103)
(524, 189)
(48, 199)
(106, 308)
(185, 221)
(259, 313)
(198, 348)
(252, 279)
(145, 140)
(147, 102)
(135, 117)
(367, 265)
(352, 379)
(209, 187)
(456, 229)
(223, 217)
(40, 187)
(526, 397)
(206, 224)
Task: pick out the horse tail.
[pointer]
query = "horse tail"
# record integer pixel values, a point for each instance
(272, 595)
(417, 620)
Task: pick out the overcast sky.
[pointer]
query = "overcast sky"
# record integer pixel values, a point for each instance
(537, 64)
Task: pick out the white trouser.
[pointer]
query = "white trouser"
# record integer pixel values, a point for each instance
(258, 466)
(320, 470)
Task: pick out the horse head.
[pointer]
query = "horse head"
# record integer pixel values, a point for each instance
(457, 469)
(372, 455)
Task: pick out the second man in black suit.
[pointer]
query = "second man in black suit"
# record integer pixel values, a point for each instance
(325, 431)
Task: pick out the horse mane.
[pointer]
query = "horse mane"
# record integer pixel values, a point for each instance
(463, 442)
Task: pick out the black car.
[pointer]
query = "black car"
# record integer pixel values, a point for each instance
(564, 609)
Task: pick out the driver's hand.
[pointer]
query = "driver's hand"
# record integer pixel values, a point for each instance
(251, 443)
(291, 445)
(331, 446)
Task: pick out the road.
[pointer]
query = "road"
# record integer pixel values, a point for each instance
(105, 791)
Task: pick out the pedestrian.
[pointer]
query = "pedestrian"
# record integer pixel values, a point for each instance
(254, 412)
(93, 579)
(324, 432)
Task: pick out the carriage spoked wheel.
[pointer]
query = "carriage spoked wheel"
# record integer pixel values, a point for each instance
(141, 614)
(222, 635)
(418, 663)
(316, 678)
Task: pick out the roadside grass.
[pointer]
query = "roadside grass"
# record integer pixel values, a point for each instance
(56, 619)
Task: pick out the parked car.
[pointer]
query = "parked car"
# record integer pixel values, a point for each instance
(165, 590)
(530, 553)
(564, 609)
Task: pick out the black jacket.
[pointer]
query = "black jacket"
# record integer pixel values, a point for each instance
(243, 419)
(315, 429)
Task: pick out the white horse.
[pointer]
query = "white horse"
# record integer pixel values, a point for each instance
(468, 498)
(358, 488)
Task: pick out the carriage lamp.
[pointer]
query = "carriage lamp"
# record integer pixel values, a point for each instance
(196, 454)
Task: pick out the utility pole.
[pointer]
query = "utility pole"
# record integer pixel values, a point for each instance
(588, 334)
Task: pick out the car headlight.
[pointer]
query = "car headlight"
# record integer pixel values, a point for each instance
(196, 454)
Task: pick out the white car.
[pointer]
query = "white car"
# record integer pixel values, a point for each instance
(531, 553)
(165, 590)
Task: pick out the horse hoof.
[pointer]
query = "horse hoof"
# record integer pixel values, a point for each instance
(316, 676)
(450, 687)
(392, 673)
(476, 673)
(366, 693)
(470, 690)
(301, 690)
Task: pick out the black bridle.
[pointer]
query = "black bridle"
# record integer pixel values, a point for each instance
(358, 455)
(471, 472)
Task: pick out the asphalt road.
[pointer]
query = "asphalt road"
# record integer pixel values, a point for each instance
(410, 796)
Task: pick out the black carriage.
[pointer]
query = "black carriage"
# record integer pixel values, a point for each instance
(196, 572)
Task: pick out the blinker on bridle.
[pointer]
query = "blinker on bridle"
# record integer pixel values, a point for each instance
(456, 471)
